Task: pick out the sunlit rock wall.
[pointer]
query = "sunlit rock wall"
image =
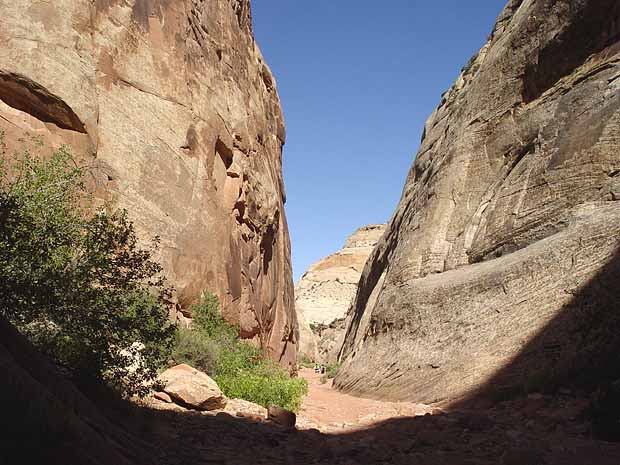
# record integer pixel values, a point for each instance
(175, 106)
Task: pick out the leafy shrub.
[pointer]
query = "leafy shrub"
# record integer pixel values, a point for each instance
(213, 346)
(74, 279)
(305, 362)
(196, 349)
(265, 384)
(332, 370)
(208, 319)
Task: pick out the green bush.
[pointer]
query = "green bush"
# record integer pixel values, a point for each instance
(196, 349)
(332, 370)
(74, 279)
(265, 384)
(305, 362)
(213, 346)
(207, 318)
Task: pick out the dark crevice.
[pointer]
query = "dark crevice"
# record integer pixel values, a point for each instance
(25, 95)
(267, 79)
(225, 153)
(267, 242)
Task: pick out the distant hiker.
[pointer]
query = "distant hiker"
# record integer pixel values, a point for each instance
(322, 369)
(316, 368)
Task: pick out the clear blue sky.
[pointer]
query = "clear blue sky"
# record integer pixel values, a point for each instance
(357, 80)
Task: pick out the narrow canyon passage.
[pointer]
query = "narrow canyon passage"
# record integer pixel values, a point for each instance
(458, 275)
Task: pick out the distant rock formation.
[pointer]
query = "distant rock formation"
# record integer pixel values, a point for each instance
(174, 104)
(324, 293)
(500, 267)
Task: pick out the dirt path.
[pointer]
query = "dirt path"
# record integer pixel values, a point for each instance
(338, 429)
(331, 411)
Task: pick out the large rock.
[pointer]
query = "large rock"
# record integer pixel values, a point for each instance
(175, 106)
(500, 266)
(325, 291)
(192, 388)
(47, 419)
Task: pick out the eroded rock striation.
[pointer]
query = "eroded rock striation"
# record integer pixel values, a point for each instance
(499, 269)
(175, 106)
(326, 290)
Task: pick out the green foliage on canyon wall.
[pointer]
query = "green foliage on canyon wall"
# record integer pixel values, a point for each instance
(213, 345)
(74, 277)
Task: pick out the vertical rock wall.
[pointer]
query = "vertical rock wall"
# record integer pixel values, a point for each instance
(175, 106)
(500, 264)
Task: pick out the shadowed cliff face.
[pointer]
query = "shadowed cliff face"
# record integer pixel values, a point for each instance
(577, 348)
(509, 214)
(180, 114)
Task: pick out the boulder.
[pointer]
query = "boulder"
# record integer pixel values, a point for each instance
(163, 397)
(282, 417)
(192, 388)
(498, 271)
(246, 409)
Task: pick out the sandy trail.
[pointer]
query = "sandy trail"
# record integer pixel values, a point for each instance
(330, 410)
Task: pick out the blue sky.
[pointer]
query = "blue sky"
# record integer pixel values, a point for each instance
(357, 80)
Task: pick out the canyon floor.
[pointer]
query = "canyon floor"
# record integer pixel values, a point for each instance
(334, 428)
(331, 411)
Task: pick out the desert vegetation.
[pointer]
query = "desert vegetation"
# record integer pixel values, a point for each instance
(213, 345)
(78, 283)
(75, 279)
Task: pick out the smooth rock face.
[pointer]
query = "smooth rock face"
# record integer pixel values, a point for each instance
(192, 388)
(175, 106)
(500, 265)
(325, 291)
(40, 402)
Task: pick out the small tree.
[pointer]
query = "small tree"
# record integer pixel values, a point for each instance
(75, 279)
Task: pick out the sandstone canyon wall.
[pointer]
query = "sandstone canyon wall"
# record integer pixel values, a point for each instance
(500, 265)
(325, 291)
(175, 106)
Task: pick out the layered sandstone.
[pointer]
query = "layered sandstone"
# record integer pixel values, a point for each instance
(325, 291)
(500, 265)
(176, 108)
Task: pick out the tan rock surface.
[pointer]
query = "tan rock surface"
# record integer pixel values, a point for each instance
(246, 409)
(501, 263)
(192, 388)
(180, 113)
(325, 291)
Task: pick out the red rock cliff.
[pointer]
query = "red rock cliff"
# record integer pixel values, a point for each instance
(177, 107)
